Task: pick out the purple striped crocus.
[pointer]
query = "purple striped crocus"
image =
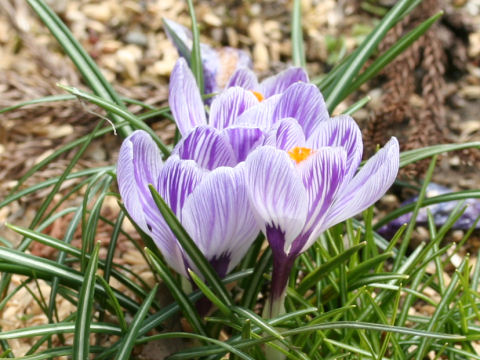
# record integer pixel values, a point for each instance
(218, 64)
(204, 189)
(231, 108)
(305, 179)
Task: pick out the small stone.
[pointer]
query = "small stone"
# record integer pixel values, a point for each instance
(454, 161)
(137, 38)
(256, 33)
(260, 57)
(457, 235)
(212, 20)
(474, 48)
(100, 11)
(471, 92)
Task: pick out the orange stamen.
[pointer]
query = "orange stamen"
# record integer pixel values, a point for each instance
(257, 95)
(300, 153)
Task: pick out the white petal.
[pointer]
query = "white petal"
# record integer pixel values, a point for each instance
(276, 193)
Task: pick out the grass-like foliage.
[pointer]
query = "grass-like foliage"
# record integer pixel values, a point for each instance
(349, 296)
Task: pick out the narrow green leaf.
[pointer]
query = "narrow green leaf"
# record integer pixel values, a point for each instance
(168, 311)
(115, 304)
(120, 111)
(179, 44)
(336, 325)
(388, 56)
(411, 156)
(221, 344)
(453, 196)
(191, 249)
(298, 52)
(62, 351)
(64, 246)
(257, 320)
(363, 53)
(43, 100)
(209, 294)
(365, 266)
(175, 289)
(81, 341)
(57, 328)
(256, 280)
(84, 63)
(357, 106)
(44, 184)
(315, 276)
(47, 269)
(408, 233)
(131, 336)
(196, 56)
(447, 299)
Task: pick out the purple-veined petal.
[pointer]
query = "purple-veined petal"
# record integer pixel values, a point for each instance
(243, 140)
(369, 185)
(184, 99)
(260, 115)
(207, 146)
(244, 78)
(218, 217)
(341, 131)
(277, 194)
(305, 103)
(178, 178)
(322, 174)
(227, 106)
(140, 164)
(285, 135)
(277, 84)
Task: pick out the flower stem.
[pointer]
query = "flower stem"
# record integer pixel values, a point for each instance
(275, 306)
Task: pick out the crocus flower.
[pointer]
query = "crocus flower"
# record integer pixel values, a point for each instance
(305, 180)
(208, 196)
(218, 64)
(233, 107)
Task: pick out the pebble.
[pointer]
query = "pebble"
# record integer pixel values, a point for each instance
(260, 57)
(136, 37)
(471, 91)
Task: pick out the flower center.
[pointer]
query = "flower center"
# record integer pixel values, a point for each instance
(258, 95)
(300, 153)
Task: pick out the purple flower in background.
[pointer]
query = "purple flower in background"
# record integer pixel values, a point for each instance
(440, 212)
(218, 65)
(208, 197)
(233, 107)
(306, 181)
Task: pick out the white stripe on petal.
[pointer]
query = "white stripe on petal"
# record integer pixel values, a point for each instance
(218, 217)
(341, 131)
(276, 192)
(305, 103)
(184, 98)
(369, 185)
(227, 106)
(140, 164)
(243, 140)
(207, 146)
(285, 135)
(260, 115)
(322, 174)
(280, 82)
(244, 78)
